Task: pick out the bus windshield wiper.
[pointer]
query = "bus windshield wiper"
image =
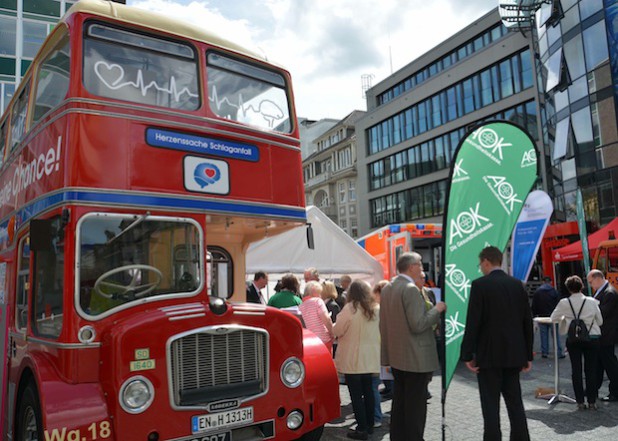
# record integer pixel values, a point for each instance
(132, 225)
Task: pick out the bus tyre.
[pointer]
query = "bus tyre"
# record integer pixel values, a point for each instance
(29, 416)
(314, 435)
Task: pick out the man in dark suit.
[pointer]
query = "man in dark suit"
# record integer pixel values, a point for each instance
(497, 344)
(607, 296)
(408, 347)
(254, 291)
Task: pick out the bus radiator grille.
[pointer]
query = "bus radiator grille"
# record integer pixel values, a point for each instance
(230, 363)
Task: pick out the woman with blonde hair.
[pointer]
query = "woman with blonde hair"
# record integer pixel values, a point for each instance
(315, 315)
(329, 295)
(358, 354)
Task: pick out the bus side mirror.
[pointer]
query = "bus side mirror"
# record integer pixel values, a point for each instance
(310, 243)
(41, 235)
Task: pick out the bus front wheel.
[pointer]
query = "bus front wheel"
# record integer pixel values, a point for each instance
(29, 423)
(314, 435)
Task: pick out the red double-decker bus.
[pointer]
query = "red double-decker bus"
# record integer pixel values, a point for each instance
(140, 157)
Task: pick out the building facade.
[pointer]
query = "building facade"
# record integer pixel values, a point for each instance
(417, 116)
(310, 129)
(330, 174)
(577, 69)
(24, 25)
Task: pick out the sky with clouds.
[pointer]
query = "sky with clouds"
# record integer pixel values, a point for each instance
(327, 45)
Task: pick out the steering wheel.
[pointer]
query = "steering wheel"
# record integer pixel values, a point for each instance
(133, 289)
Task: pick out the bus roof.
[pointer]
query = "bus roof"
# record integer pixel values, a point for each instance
(153, 20)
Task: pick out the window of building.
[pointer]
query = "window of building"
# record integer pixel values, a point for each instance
(18, 117)
(563, 131)
(506, 79)
(574, 55)
(596, 125)
(570, 19)
(49, 284)
(8, 32)
(52, 80)
(568, 169)
(595, 45)
(342, 191)
(588, 7)
(550, 12)
(557, 72)
(351, 191)
(23, 285)
(8, 89)
(35, 33)
(343, 223)
(578, 89)
(581, 122)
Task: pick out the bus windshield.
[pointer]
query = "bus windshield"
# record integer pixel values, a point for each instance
(123, 259)
(133, 67)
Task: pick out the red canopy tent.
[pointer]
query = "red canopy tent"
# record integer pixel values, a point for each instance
(574, 251)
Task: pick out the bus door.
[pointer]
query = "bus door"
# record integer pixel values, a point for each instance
(397, 245)
(4, 340)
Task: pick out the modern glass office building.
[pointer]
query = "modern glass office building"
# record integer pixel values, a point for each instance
(577, 69)
(24, 25)
(417, 116)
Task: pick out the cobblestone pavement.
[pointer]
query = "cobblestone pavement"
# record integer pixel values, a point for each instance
(464, 421)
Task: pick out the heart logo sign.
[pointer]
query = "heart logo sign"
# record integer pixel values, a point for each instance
(206, 174)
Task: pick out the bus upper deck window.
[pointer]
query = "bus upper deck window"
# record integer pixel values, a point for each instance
(53, 79)
(248, 94)
(18, 117)
(128, 66)
(3, 133)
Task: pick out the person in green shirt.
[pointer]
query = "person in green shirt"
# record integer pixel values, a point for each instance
(287, 297)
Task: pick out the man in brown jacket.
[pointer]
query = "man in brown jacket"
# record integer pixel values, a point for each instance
(408, 347)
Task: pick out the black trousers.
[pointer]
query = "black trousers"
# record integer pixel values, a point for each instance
(363, 402)
(409, 410)
(609, 364)
(505, 381)
(588, 352)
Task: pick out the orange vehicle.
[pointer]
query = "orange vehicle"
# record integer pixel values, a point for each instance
(606, 260)
(139, 158)
(386, 244)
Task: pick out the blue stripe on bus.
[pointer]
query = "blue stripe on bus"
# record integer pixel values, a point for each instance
(31, 210)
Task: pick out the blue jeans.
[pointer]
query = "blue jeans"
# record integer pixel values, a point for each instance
(545, 331)
(377, 414)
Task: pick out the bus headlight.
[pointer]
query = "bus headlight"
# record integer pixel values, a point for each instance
(295, 420)
(292, 372)
(136, 394)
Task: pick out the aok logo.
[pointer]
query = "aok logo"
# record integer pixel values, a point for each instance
(529, 158)
(457, 281)
(459, 174)
(504, 191)
(467, 222)
(489, 140)
(453, 326)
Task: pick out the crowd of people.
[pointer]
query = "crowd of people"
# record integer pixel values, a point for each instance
(389, 334)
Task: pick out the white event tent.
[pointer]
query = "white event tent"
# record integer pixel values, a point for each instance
(335, 253)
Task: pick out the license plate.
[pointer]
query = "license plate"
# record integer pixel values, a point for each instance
(214, 421)
(226, 436)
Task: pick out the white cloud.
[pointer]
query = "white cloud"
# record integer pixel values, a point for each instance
(327, 45)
